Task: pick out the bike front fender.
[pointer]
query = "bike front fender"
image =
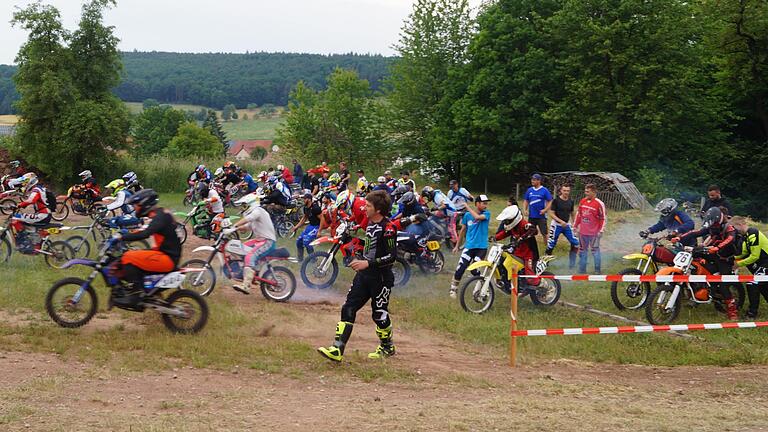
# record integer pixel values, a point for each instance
(635, 256)
(79, 261)
(479, 265)
(203, 249)
(322, 240)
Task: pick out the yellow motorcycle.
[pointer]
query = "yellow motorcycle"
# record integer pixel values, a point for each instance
(477, 293)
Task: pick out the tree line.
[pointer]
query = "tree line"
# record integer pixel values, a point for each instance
(217, 79)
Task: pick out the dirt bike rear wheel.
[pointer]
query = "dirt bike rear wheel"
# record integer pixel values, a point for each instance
(61, 309)
(286, 284)
(547, 293)
(402, 271)
(61, 253)
(193, 305)
(630, 295)
(435, 265)
(62, 211)
(471, 299)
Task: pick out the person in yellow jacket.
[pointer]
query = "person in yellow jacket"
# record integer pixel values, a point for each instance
(752, 254)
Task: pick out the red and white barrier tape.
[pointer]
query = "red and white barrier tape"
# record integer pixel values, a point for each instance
(654, 278)
(638, 329)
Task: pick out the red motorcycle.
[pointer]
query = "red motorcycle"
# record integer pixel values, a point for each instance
(320, 269)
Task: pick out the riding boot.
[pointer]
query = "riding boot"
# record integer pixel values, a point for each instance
(335, 352)
(386, 348)
(454, 288)
(248, 274)
(731, 310)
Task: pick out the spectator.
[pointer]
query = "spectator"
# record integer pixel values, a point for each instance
(590, 223)
(562, 211)
(381, 184)
(715, 199)
(298, 173)
(391, 182)
(536, 202)
(474, 227)
(754, 256)
(362, 183)
(344, 174)
(308, 180)
(407, 181)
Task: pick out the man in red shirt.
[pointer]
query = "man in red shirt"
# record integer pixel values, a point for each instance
(590, 223)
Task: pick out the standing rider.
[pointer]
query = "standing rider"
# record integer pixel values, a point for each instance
(311, 217)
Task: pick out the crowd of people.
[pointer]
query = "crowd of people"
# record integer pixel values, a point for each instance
(383, 207)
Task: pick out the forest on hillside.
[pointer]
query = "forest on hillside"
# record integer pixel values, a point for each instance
(217, 79)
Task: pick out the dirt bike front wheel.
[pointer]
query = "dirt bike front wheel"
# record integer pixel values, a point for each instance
(656, 310)
(630, 295)
(472, 298)
(64, 310)
(59, 252)
(313, 275)
(547, 293)
(201, 280)
(62, 211)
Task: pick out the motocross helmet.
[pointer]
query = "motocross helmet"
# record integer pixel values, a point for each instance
(130, 178)
(28, 181)
(713, 219)
(510, 217)
(381, 179)
(666, 206)
(334, 179)
(14, 164)
(251, 200)
(200, 168)
(408, 198)
(219, 172)
(399, 192)
(280, 167)
(116, 186)
(85, 175)
(428, 192)
(344, 201)
(143, 201)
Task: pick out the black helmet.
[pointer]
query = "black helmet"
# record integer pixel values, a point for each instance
(713, 218)
(666, 206)
(408, 198)
(428, 192)
(145, 200)
(399, 191)
(204, 190)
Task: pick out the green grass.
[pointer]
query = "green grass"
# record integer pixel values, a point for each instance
(234, 336)
(253, 128)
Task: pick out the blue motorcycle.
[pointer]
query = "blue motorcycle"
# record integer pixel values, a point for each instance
(72, 302)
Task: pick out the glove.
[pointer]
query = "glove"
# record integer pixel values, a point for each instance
(675, 239)
(412, 218)
(643, 234)
(228, 231)
(713, 250)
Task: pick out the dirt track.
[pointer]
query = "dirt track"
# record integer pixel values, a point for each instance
(447, 387)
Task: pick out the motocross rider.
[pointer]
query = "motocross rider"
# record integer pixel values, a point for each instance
(673, 220)
(373, 281)
(722, 249)
(522, 237)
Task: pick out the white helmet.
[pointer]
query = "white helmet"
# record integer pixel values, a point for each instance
(511, 216)
(29, 180)
(344, 201)
(280, 167)
(219, 172)
(86, 175)
(252, 200)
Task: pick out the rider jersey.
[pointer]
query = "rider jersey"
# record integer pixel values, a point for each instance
(590, 217)
(359, 216)
(162, 229)
(722, 237)
(284, 189)
(754, 250)
(380, 246)
(410, 184)
(36, 199)
(537, 200)
(440, 199)
(459, 198)
(214, 201)
(251, 183)
(677, 221)
(119, 202)
(261, 224)
(205, 177)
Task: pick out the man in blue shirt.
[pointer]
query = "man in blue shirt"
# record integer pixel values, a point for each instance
(474, 225)
(536, 202)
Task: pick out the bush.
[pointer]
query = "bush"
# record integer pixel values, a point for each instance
(651, 182)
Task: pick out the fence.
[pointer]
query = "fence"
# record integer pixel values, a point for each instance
(612, 200)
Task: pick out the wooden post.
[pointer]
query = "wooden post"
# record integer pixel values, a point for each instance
(517, 191)
(513, 323)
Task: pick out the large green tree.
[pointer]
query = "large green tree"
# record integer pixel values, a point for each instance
(153, 129)
(212, 124)
(433, 42)
(69, 118)
(339, 123)
(193, 140)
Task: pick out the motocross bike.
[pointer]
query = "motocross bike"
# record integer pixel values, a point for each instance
(633, 295)
(34, 240)
(438, 227)
(477, 293)
(665, 301)
(277, 282)
(320, 269)
(71, 302)
(100, 230)
(200, 220)
(77, 202)
(192, 194)
(9, 199)
(420, 251)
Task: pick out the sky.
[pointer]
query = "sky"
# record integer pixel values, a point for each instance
(307, 26)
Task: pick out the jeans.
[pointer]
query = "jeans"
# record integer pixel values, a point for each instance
(591, 242)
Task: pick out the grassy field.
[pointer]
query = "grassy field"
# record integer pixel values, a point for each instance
(423, 304)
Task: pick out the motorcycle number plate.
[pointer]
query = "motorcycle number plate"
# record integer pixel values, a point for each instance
(171, 280)
(683, 259)
(53, 230)
(494, 253)
(433, 245)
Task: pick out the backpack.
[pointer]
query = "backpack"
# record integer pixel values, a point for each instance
(50, 200)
